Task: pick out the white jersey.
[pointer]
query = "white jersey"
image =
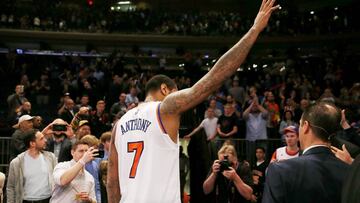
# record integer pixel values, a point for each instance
(148, 159)
(283, 154)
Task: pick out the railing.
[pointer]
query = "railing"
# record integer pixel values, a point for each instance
(5, 143)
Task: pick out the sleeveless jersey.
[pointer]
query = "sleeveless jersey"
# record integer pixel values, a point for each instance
(148, 160)
(282, 154)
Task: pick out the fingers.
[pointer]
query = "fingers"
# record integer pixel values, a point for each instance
(334, 149)
(343, 118)
(262, 4)
(275, 8)
(344, 148)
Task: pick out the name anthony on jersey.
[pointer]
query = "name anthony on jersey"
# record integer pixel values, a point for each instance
(135, 124)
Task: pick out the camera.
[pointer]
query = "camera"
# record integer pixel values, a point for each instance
(58, 127)
(225, 164)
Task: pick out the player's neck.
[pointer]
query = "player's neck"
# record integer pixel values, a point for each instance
(149, 98)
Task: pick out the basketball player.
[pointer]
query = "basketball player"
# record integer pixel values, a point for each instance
(144, 153)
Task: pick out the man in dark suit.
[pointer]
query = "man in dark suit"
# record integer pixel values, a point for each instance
(67, 112)
(317, 176)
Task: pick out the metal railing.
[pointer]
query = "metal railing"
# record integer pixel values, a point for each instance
(5, 144)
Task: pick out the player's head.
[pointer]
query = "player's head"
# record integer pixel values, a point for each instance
(160, 86)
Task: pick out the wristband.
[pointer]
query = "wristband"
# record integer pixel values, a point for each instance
(82, 162)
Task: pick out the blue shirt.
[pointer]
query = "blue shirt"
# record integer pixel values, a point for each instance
(93, 168)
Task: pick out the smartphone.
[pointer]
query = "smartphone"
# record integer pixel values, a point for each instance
(101, 152)
(58, 127)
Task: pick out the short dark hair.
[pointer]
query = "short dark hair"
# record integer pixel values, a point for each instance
(30, 136)
(77, 143)
(261, 148)
(155, 82)
(324, 119)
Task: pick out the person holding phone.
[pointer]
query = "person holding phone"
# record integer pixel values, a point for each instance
(73, 184)
(60, 138)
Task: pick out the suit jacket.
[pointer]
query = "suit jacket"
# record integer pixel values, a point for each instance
(65, 150)
(315, 177)
(67, 116)
(351, 188)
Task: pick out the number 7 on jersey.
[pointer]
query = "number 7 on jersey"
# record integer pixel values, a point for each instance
(138, 148)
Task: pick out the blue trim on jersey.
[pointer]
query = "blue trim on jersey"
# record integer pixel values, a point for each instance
(160, 121)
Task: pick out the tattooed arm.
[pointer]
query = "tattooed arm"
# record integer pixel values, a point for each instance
(112, 183)
(180, 101)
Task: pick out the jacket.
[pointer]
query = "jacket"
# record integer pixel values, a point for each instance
(15, 183)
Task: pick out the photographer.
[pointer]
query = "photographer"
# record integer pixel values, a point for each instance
(229, 178)
(60, 136)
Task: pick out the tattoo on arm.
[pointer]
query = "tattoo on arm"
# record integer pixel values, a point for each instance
(226, 66)
(112, 185)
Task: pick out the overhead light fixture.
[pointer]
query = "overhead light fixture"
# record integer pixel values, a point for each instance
(124, 2)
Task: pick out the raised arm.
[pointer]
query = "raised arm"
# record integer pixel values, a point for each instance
(180, 101)
(194, 131)
(113, 186)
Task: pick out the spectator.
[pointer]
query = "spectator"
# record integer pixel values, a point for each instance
(274, 115)
(103, 172)
(30, 173)
(118, 106)
(255, 117)
(38, 122)
(288, 120)
(237, 91)
(24, 109)
(15, 101)
(60, 136)
(2, 182)
(304, 104)
(327, 96)
(100, 120)
(235, 106)
(213, 105)
(42, 90)
(209, 124)
(66, 112)
(321, 173)
(84, 102)
(105, 141)
(227, 127)
(93, 167)
(259, 169)
(291, 150)
(24, 125)
(232, 183)
(132, 98)
(72, 182)
(83, 129)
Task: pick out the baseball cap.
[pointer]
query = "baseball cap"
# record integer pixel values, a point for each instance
(83, 122)
(22, 119)
(291, 128)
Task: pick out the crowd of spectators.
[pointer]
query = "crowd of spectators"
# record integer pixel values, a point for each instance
(87, 95)
(289, 22)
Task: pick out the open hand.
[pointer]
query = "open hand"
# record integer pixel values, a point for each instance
(262, 18)
(343, 154)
